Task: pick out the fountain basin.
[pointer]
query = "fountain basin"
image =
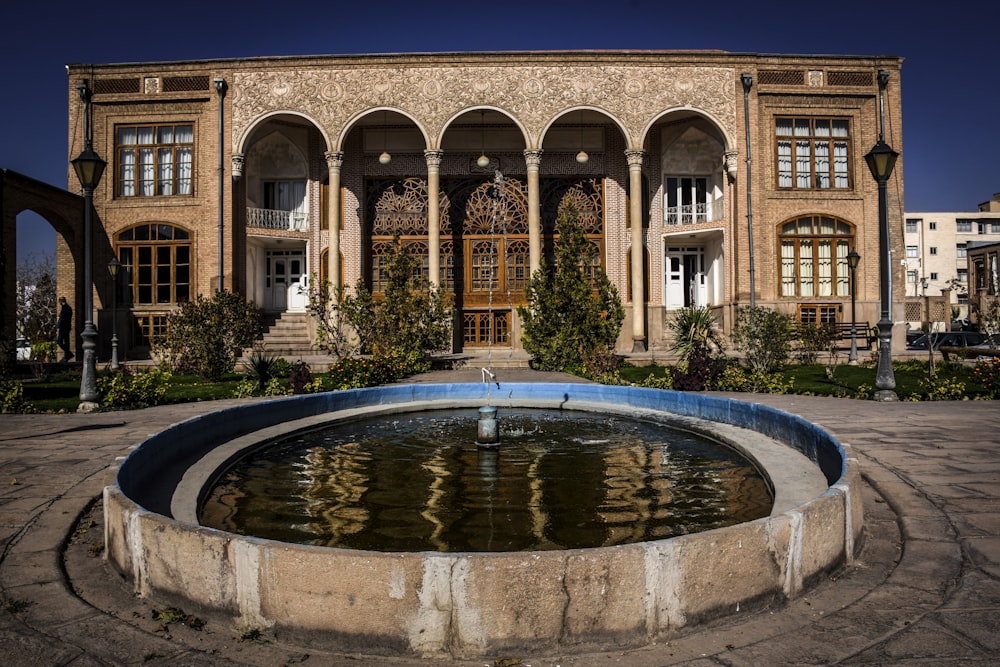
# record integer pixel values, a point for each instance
(479, 604)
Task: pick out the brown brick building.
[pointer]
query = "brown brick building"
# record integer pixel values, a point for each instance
(291, 169)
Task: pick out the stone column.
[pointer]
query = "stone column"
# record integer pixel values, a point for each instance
(433, 216)
(334, 161)
(533, 159)
(635, 219)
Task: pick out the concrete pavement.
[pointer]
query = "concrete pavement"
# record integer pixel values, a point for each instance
(924, 590)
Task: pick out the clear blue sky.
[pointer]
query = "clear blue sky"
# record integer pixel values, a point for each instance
(951, 100)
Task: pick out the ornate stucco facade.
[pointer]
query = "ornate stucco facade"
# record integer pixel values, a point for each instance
(467, 158)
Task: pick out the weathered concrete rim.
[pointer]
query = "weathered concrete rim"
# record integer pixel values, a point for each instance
(467, 605)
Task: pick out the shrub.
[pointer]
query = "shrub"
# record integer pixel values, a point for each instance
(699, 371)
(301, 379)
(694, 326)
(262, 367)
(12, 398)
(410, 316)
(358, 372)
(937, 388)
(44, 350)
(602, 363)
(129, 389)
(207, 336)
(655, 381)
(987, 373)
(738, 378)
(764, 337)
(570, 313)
(814, 338)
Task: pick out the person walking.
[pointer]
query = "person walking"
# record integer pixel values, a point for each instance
(63, 325)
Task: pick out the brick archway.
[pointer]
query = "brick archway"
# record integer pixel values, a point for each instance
(64, 211)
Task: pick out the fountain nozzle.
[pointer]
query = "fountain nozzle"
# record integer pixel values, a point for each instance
(491, 375)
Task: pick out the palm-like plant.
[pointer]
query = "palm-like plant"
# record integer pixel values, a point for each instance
(693, 327)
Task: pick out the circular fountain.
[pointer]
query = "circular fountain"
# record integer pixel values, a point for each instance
(471, 604)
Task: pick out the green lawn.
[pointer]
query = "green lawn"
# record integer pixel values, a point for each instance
(61, 390)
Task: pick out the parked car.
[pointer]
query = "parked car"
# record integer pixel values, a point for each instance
(947, 339)
(23, 350)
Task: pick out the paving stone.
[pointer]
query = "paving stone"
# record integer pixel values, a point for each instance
(924, 589)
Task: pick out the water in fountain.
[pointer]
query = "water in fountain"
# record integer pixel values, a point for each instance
(420, 482)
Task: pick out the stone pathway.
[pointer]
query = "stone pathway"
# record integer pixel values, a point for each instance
(925, 589)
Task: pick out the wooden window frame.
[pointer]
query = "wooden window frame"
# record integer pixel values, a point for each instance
(816, 174)
(157, 147)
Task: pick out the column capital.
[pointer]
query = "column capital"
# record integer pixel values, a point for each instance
(634, 157)
(433, 158)
(238, 160)
(334, 159)
(730, 163)
(533, 157)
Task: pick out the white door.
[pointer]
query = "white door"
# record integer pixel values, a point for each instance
(675, 281)
(284, 267)
(685, 282)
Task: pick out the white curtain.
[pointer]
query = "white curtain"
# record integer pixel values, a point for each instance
(840, 179)
(843, 271)
(147, 166)
(802, 160)
(183, 171)
(806, 268)
(184, 134)
(166, 172)
(822, 164)
(126, 172)
(783, 128)
(825, 268)
(788, 268)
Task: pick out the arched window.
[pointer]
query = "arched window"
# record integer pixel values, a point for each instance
(813, 251)
(156, 262)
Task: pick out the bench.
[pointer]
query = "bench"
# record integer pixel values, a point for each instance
(840, 335)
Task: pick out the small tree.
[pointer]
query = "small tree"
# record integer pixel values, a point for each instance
(410, 318)
(36, 298)
(764, 336)
(570, 315)
(207, 336)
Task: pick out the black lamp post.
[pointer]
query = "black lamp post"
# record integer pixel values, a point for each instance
(881, 159)
(113, 267)
(853, 259)
(89, 168)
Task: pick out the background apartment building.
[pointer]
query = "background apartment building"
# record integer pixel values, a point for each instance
(936, 249)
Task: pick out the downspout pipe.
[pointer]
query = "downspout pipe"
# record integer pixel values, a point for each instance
(220, 88)
(747, 80)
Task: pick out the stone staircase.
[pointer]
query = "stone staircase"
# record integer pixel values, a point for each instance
(287, 335)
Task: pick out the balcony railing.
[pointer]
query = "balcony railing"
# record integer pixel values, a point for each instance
(692, 213)
(266, 218)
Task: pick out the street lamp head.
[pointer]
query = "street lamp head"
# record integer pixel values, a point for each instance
(853, 259)
(89, 168)
(881, 159)
(113, 267)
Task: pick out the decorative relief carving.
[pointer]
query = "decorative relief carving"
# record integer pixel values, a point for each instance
(533, 95)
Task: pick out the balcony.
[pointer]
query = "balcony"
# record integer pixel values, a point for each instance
(266, 218)
(689, 214)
